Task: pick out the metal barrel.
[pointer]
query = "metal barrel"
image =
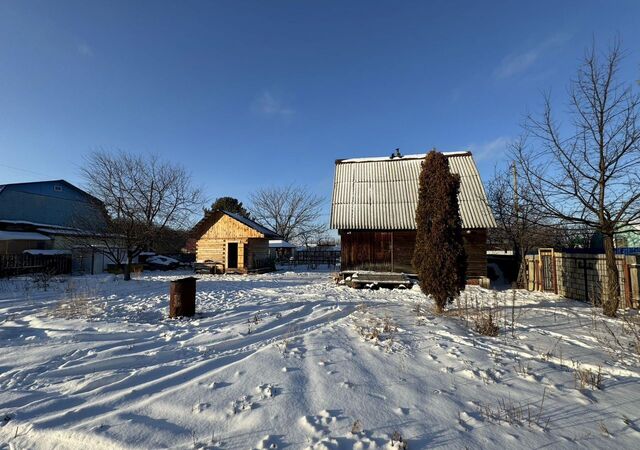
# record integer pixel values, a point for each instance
(182, 297)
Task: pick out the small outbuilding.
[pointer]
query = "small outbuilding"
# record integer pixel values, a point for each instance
(281, 250)
(237, 243)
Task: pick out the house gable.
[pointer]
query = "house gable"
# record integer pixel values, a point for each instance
(239, 225)
(223, 226)
(54, 202)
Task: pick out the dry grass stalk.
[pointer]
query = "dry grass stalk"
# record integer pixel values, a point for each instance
(485, 325)
(585, 377)
(514, 413)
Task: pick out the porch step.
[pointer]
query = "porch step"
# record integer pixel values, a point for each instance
(375, 280)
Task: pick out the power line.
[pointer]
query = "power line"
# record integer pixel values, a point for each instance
(24, 170)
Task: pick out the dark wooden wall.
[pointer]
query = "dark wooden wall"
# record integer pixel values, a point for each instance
(475, 244)
(372, 250)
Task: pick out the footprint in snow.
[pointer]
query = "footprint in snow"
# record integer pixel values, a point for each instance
(466, 422)
(268, 442)
(218, 385)
(199, 407)
(318, 425)
(243, 404)
(266, 391)
(401, 411)
(471, 374)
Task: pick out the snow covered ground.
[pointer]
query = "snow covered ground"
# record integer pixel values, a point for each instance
(292, 360)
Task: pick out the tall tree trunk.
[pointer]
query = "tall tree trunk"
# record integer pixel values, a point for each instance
(127, 269)
(521, 280)
(518, 258)
(610, 303)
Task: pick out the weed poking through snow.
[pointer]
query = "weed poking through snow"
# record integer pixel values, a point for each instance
(512, 413)
(486, 326)
(587, 378)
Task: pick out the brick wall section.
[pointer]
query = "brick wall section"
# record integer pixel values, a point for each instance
(583, 276)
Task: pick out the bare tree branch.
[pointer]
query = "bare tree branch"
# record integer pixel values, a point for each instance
(291, 211)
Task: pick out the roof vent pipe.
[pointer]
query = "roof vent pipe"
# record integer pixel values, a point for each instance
(396, 154)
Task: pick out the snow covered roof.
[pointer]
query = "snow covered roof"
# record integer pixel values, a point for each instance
(47, 252)
(396, 158)
(33, 224)
(280, 243)
(66, 232)
(22, 236)
(382, 193)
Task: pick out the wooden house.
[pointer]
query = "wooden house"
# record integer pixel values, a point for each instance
(239, 244)
(374, 207)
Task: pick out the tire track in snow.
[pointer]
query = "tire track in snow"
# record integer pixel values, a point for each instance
(231, 353)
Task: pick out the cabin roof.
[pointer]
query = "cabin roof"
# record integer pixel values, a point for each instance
(382, 193)
(280, 243)
(200, 228)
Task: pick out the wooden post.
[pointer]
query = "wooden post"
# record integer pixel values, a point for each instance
(555, 273)
(627, 282)
(182, 297)
(586, 280)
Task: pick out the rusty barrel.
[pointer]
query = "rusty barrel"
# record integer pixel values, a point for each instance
(182, 297)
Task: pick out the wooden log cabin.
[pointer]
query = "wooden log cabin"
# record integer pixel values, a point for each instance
(238, 244)
(374, 206)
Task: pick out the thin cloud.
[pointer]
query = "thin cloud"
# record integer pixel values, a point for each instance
(491, 150)
(84, 50)
(268, 104)
(516, 63)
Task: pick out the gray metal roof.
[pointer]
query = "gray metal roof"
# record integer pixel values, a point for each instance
(382, 193)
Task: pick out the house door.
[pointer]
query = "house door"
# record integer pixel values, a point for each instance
(232, 255)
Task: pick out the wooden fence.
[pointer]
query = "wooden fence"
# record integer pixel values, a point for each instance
(19, 264)
(313, 258)
(582, 276)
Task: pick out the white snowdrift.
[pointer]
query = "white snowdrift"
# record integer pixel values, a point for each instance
(293, 360)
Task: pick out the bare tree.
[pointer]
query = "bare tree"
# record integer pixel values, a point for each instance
(143, 197)
(587, 174)
(291, 211)
(521, 225)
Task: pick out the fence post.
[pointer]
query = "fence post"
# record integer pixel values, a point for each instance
(634, 281)
(555, 273)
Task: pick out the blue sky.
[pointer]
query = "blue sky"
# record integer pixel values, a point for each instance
(248, 94)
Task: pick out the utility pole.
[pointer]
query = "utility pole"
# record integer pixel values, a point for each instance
(515, 190)
(519, 231)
